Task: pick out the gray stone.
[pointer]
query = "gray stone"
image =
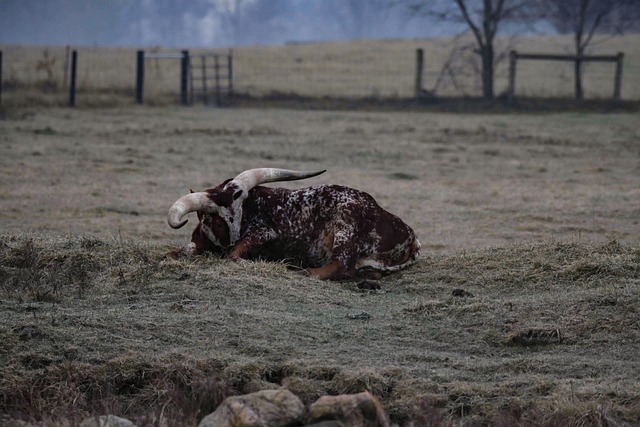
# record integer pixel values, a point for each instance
(106, 421)
(351, 410)
(273, 408)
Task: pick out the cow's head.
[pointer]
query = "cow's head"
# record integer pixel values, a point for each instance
(220, 209)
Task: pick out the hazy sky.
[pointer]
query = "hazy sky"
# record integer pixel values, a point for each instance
(207, 23)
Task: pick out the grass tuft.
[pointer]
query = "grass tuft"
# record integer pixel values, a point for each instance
(34, 271)
(359, 380)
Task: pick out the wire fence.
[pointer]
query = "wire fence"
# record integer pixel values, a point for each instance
(318, 70)
(361, 69)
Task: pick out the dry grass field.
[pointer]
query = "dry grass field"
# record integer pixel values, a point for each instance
(374, 69)
(522, 311)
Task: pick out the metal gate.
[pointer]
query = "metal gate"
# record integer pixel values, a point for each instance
(211, 78)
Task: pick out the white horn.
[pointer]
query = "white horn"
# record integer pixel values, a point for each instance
(252, 177)
(184, 205)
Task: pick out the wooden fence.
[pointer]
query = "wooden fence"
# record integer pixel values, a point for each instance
(577, 60)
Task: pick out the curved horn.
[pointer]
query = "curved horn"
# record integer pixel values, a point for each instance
(184, 205)
(253, 177)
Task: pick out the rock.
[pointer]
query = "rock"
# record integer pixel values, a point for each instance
(351, 410)
(461, 293)
(264, 408)
(106, 421)
(361, 315)
(331, 423)
(368, 285)
(536, 337)
(14, 423)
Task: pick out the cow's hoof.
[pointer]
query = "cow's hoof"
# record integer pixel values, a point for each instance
(303, 272)
(167, 261)
(368, 285)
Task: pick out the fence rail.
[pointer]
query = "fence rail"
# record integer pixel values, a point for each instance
(514, 56)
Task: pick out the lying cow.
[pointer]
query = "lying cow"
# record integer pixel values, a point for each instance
(331, 231)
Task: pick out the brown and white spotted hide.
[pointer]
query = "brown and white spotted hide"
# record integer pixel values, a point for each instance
(331, 231)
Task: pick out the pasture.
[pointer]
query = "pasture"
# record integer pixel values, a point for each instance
(523, 308)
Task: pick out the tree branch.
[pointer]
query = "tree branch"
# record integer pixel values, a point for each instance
(467, 18)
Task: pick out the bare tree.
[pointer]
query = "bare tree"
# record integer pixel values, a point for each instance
(584, 18)
(484, 19)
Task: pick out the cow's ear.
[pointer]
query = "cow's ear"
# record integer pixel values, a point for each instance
(191, 191)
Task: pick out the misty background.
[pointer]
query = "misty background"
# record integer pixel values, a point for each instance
(210, 23)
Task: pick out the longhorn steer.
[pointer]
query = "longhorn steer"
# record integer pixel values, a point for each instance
(331, 231)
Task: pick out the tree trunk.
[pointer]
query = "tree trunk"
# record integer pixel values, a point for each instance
(489, 27)
(580, 48)
(578, 78)
(487, 71)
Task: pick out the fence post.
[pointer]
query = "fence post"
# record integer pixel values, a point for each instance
(419, 67)
(0, 77)
(217, 81)
(139, 76)
(230, 72)
(577, 70)
(618, 81)
(205, 90)
(72, 85)
(184, 78)
(513, 56)
(67, 58)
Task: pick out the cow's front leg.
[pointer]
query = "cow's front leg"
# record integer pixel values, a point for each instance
(186, 251)
(240, 250)
(249, 242)
(199, 245)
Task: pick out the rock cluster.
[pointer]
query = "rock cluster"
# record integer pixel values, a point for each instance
(280, 408)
